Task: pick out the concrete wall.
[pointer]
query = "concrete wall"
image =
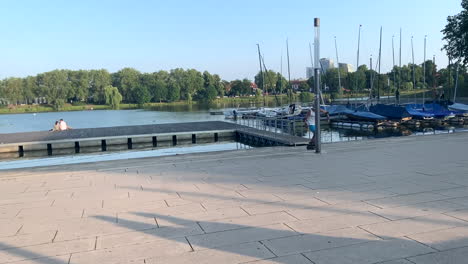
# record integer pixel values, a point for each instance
(118, 143)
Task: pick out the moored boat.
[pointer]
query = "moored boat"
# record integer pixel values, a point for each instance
(392, 112)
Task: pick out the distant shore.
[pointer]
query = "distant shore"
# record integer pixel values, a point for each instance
(217, 103)
(246, 101)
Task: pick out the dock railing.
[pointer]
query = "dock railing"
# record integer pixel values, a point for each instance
(273, 125)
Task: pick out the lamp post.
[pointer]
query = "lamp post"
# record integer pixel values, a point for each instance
(318, 141)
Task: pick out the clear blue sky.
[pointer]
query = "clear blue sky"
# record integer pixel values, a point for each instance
(218, 36)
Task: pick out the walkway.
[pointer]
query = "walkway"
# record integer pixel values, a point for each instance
(398, 200)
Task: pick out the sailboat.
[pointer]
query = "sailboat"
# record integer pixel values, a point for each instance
(359, 113)
(461, 109)
(392, 112)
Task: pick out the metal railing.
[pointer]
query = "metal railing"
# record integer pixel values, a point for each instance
(273, 127)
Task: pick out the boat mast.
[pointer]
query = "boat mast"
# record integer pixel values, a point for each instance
(268, 76)
(261, 73)
(371, 78)
(399, 76)
(414, 76)
(281, 73)
(357, 58)
(289, 72)
(380, 60)
(338, 62)
(434, 77)
(456, 77)
(424, 72)
(394, 73)
(456, 83)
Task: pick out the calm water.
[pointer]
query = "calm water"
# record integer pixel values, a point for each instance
(98, 118)
(107, 118)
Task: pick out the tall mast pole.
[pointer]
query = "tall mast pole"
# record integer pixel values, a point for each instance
(380, 60)
(281, 75)
(399, 76)
(338, 62)
(456, 83)
(394, 73)
(449, 87)
(289, 72)
(414, 75)
(434, 76)
(371, 77)
(281, 63)
(261, 73)
(424, 72)
(318, 146)
(357, 58)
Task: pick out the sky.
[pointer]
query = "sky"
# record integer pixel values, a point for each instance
(217, 36)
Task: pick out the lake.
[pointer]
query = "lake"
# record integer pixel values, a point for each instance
(14, 123)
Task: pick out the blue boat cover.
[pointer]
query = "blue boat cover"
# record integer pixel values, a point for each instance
(359, 113)
(335, 109)
(459, 107)
(437, 110)
(390, 111)
(417, 112)
(365, 115)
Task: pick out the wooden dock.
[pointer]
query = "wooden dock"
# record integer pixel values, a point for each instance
(144, 135)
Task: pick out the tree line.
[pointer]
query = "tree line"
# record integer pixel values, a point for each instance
(95, 86)
(131, 86)
(406, 78)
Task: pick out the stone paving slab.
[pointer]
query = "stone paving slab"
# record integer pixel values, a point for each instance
(383, 250)
(291, 259)
(319, 241)
(273, 205)
(444, 239)
(454, 256)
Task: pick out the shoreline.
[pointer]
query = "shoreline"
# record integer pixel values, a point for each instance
(218, 103)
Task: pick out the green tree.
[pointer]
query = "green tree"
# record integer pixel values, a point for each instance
(281, 84)
(192, 83)
(80, 82)
(173, 90)
(159, 90)
(126, 80)
(455, 33)
(56, 86)
(306, 97)
(30, 88)
(271, 79)
(218, 84)
(113, 97)
(13, 90)
(141, 95)
(99, 79)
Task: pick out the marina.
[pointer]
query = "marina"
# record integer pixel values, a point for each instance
(129, 137)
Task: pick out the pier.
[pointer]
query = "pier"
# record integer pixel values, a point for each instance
(129, 137)
(395, 200)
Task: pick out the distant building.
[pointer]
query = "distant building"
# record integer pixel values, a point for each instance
(309, 72)
(295, 84)
(253, 86)
(346, 66)
(326, 64)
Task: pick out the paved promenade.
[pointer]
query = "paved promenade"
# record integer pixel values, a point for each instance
(393, 201)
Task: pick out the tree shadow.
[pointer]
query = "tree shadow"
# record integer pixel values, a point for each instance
(26, 254)
(235, 235)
